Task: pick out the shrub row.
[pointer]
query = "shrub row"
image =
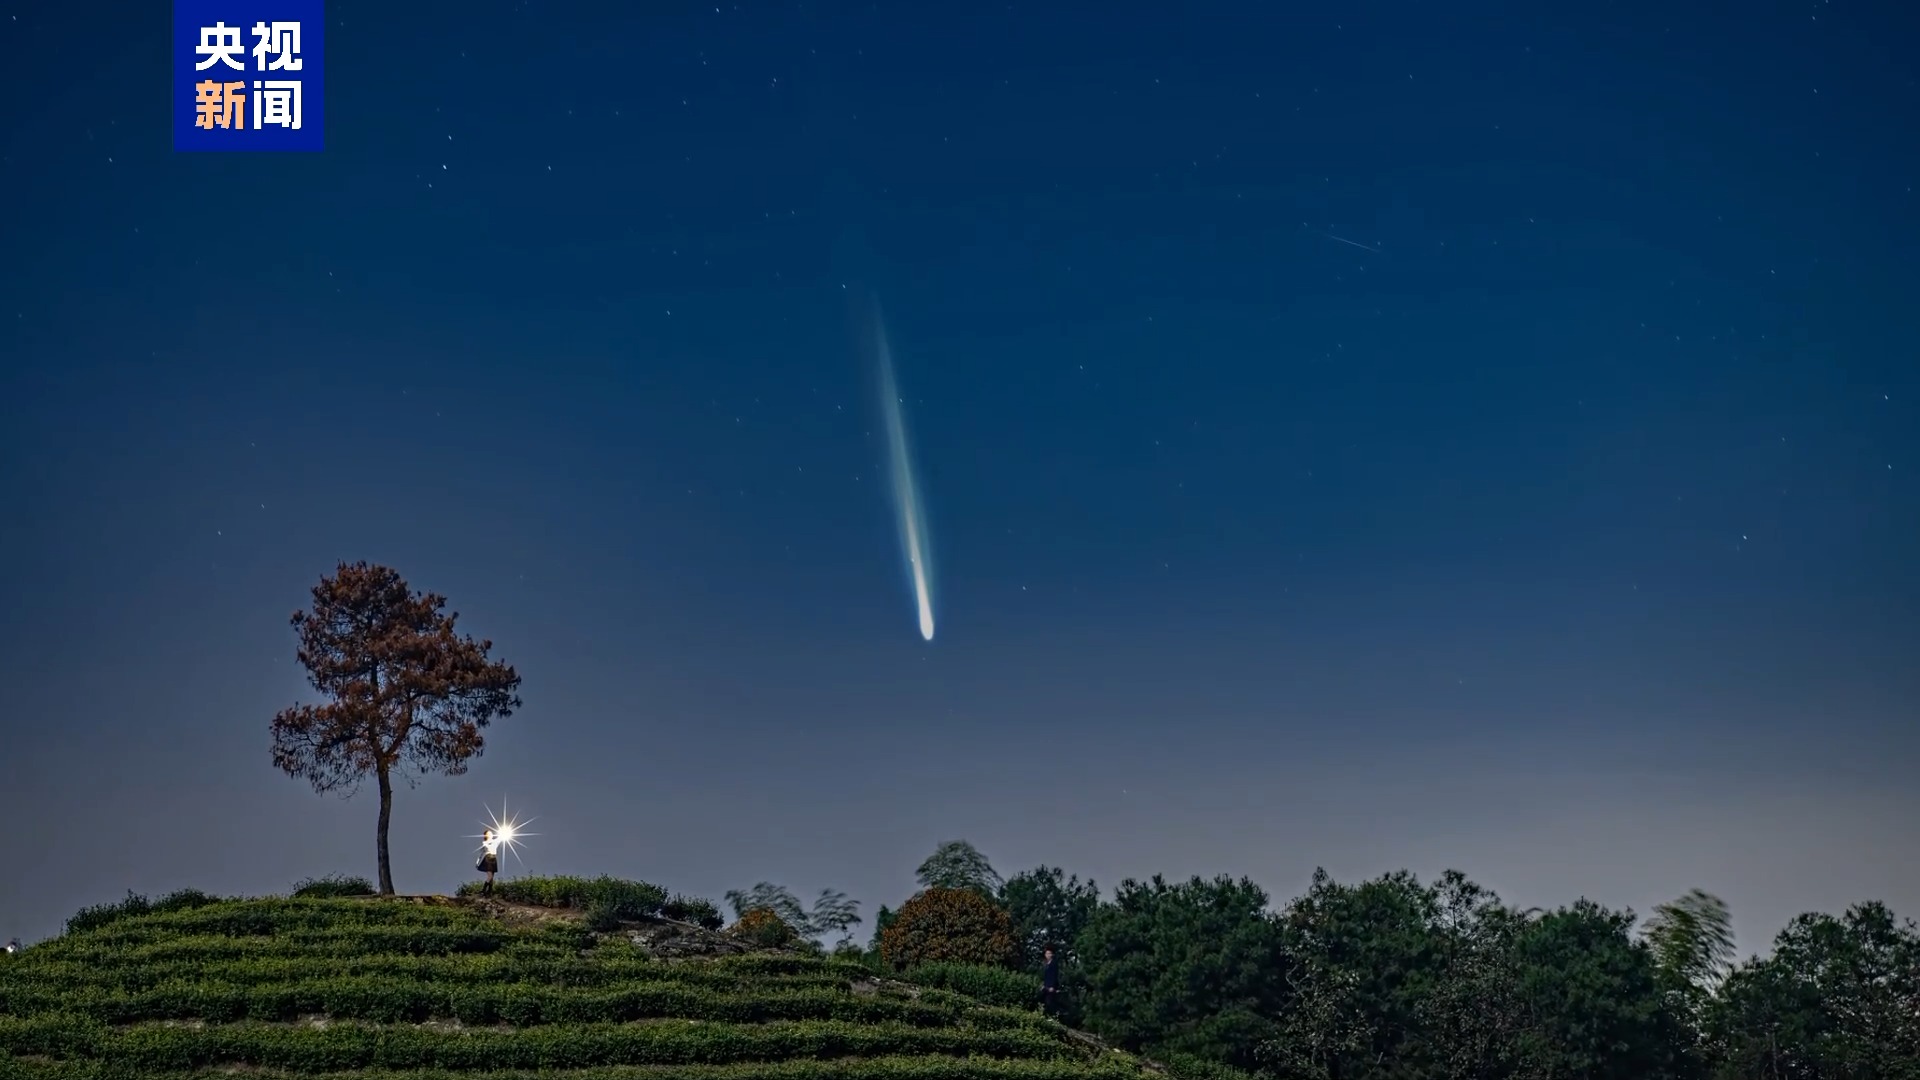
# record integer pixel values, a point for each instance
(632, 899)
(989, 985)
(352, 1046)
(570, 971)
(258, 917)
(759, 964)
(299, 930)
(338, 943)
(138, 919)
(387, 1002)
(1113, 1067)
(333, 885)
(526, 955)
(99, 915)
(605, 901)
(144, 947)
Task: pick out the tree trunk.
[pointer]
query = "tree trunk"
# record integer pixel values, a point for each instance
(386, 815)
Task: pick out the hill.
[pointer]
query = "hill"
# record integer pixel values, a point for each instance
(573, 986)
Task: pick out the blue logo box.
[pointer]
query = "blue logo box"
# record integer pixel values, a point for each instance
(249, 75)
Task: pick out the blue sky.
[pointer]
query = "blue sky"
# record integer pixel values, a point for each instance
(1562, 533)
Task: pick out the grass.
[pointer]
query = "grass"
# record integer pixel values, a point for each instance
(332, 984)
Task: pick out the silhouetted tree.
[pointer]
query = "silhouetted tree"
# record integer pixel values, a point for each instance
(1392, 978)
(1839, 999)
(1049, 910)
(1692, 939)
(1187, 969)
(1474, 1017)
(1359, 961)
(832, 913)
(939, 925)
(957, 864)
(766, 896)
(1594, 1000)
(1692, 943)
(409, 695)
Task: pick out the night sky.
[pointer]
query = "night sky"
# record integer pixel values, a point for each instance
(1373, 435)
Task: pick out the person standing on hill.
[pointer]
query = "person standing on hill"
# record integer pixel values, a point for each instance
(489, 860)
(1050, 985)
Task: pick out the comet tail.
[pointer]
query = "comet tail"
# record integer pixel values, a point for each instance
(906, 499)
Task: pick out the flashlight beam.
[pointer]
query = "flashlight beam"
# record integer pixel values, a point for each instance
(505, 830)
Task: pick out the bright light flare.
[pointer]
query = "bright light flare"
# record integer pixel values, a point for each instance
(507, 831)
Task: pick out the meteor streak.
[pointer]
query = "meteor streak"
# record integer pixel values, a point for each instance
(1344, 240)
(914, 541)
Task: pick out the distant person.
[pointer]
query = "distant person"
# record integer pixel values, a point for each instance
(489, 860)
(1050, 985)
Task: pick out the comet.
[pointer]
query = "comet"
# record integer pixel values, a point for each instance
(914, 541)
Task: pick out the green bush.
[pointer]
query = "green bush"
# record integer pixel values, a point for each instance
(603, 915)
(950, 925)
(984, 983)
(332, 885)
(100, 915)
(690, 909)
(184, 900)
(616, 898)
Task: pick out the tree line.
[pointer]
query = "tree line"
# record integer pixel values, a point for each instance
(1397, 979)
(1377, 980)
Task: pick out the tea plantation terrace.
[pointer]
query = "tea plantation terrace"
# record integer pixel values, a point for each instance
(554, 978)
